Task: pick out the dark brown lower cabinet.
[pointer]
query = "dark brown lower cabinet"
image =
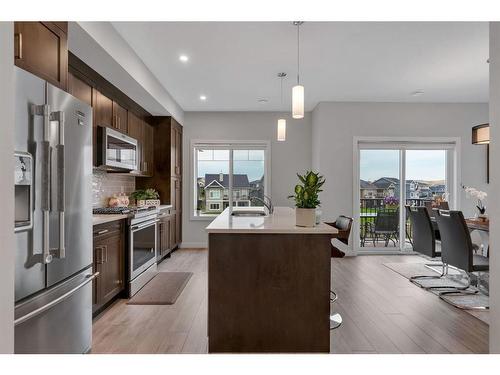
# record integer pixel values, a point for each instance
(109, 261)
(166, 234)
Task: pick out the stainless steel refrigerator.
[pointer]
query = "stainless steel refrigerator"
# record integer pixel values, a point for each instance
(53, 219)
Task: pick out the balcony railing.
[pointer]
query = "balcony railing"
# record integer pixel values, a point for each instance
(369, 208)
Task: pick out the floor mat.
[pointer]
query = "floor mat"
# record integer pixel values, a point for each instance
(163, 289)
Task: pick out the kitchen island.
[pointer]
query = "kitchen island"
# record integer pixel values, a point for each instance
(268, 284)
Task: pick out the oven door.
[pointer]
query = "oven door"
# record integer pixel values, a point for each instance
(119, 151)
(143, 244)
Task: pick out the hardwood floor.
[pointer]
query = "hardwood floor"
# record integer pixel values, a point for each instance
(382, 312)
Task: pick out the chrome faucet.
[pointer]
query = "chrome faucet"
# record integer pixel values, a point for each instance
(267, 202)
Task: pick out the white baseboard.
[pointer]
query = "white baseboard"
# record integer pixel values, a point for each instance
(193, 245)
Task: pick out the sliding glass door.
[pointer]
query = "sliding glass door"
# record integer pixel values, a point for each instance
(426, 182)
(380, 193)
(392, 175)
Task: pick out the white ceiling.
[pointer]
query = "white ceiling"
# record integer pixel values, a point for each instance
(236, 63)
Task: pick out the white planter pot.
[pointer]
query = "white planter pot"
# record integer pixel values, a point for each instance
(305, 217)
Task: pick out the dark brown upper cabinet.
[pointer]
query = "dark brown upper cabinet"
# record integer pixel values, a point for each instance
(42, 49)
(135, 130)
(109, 113)
(79, 89)
(144, 133)
(176, 149)
(103, 110)
(120, 117)
(148, 149)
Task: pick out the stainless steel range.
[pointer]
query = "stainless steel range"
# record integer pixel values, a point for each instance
(142, 248)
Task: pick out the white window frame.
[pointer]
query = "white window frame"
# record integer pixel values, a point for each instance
(230, 145)
(213, 204)
(452, 144)
(213, 196)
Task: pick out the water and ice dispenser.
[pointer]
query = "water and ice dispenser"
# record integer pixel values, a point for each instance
(23, 182)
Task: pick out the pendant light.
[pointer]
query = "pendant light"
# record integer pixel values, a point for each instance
(281, 122)
(298, 90)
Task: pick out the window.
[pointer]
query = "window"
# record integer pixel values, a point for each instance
(214, 206)
(233, 173)
(214, 194)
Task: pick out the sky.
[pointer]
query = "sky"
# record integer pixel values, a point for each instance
(428, 165)
(249, 162)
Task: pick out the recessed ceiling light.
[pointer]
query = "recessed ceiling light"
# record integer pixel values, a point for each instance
(417, 93)
(184, 58)
(262, 100)
(203, 97)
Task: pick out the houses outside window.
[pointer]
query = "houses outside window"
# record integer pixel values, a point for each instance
(228, 173)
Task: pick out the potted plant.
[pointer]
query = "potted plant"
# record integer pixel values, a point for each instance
(391, 202)
(480, 196)
(146, 197)
(306, 198)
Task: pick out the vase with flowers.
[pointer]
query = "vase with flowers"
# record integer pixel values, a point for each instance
(480, 196)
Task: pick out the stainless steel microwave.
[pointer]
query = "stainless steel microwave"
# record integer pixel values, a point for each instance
(115, 150)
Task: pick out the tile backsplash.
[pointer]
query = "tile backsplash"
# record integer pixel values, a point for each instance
(105, 185)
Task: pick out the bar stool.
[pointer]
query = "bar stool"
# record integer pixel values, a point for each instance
(343, 224)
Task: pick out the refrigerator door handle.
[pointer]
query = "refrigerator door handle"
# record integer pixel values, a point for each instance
(56, 301)
(44, 110)
(58, 116)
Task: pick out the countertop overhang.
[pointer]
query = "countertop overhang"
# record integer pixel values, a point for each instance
(281, 221)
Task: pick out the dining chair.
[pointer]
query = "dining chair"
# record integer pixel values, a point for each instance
(457, 250)
(423, 237)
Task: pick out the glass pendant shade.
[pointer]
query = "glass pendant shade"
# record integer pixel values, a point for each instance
(298, 102)
(281, 130)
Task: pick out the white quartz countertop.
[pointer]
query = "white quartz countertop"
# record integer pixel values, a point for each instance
(281, 221)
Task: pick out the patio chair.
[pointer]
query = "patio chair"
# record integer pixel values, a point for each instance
(385, 226)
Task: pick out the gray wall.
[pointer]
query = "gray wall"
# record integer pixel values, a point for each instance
(7, 189)
(287, 158)
(495, 187)
(335, 124)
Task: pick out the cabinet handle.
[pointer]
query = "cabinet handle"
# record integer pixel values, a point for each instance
(99, 255)
(102, 231)
(19, 45)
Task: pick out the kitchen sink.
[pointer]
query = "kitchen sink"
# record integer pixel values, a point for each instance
(249, 213)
